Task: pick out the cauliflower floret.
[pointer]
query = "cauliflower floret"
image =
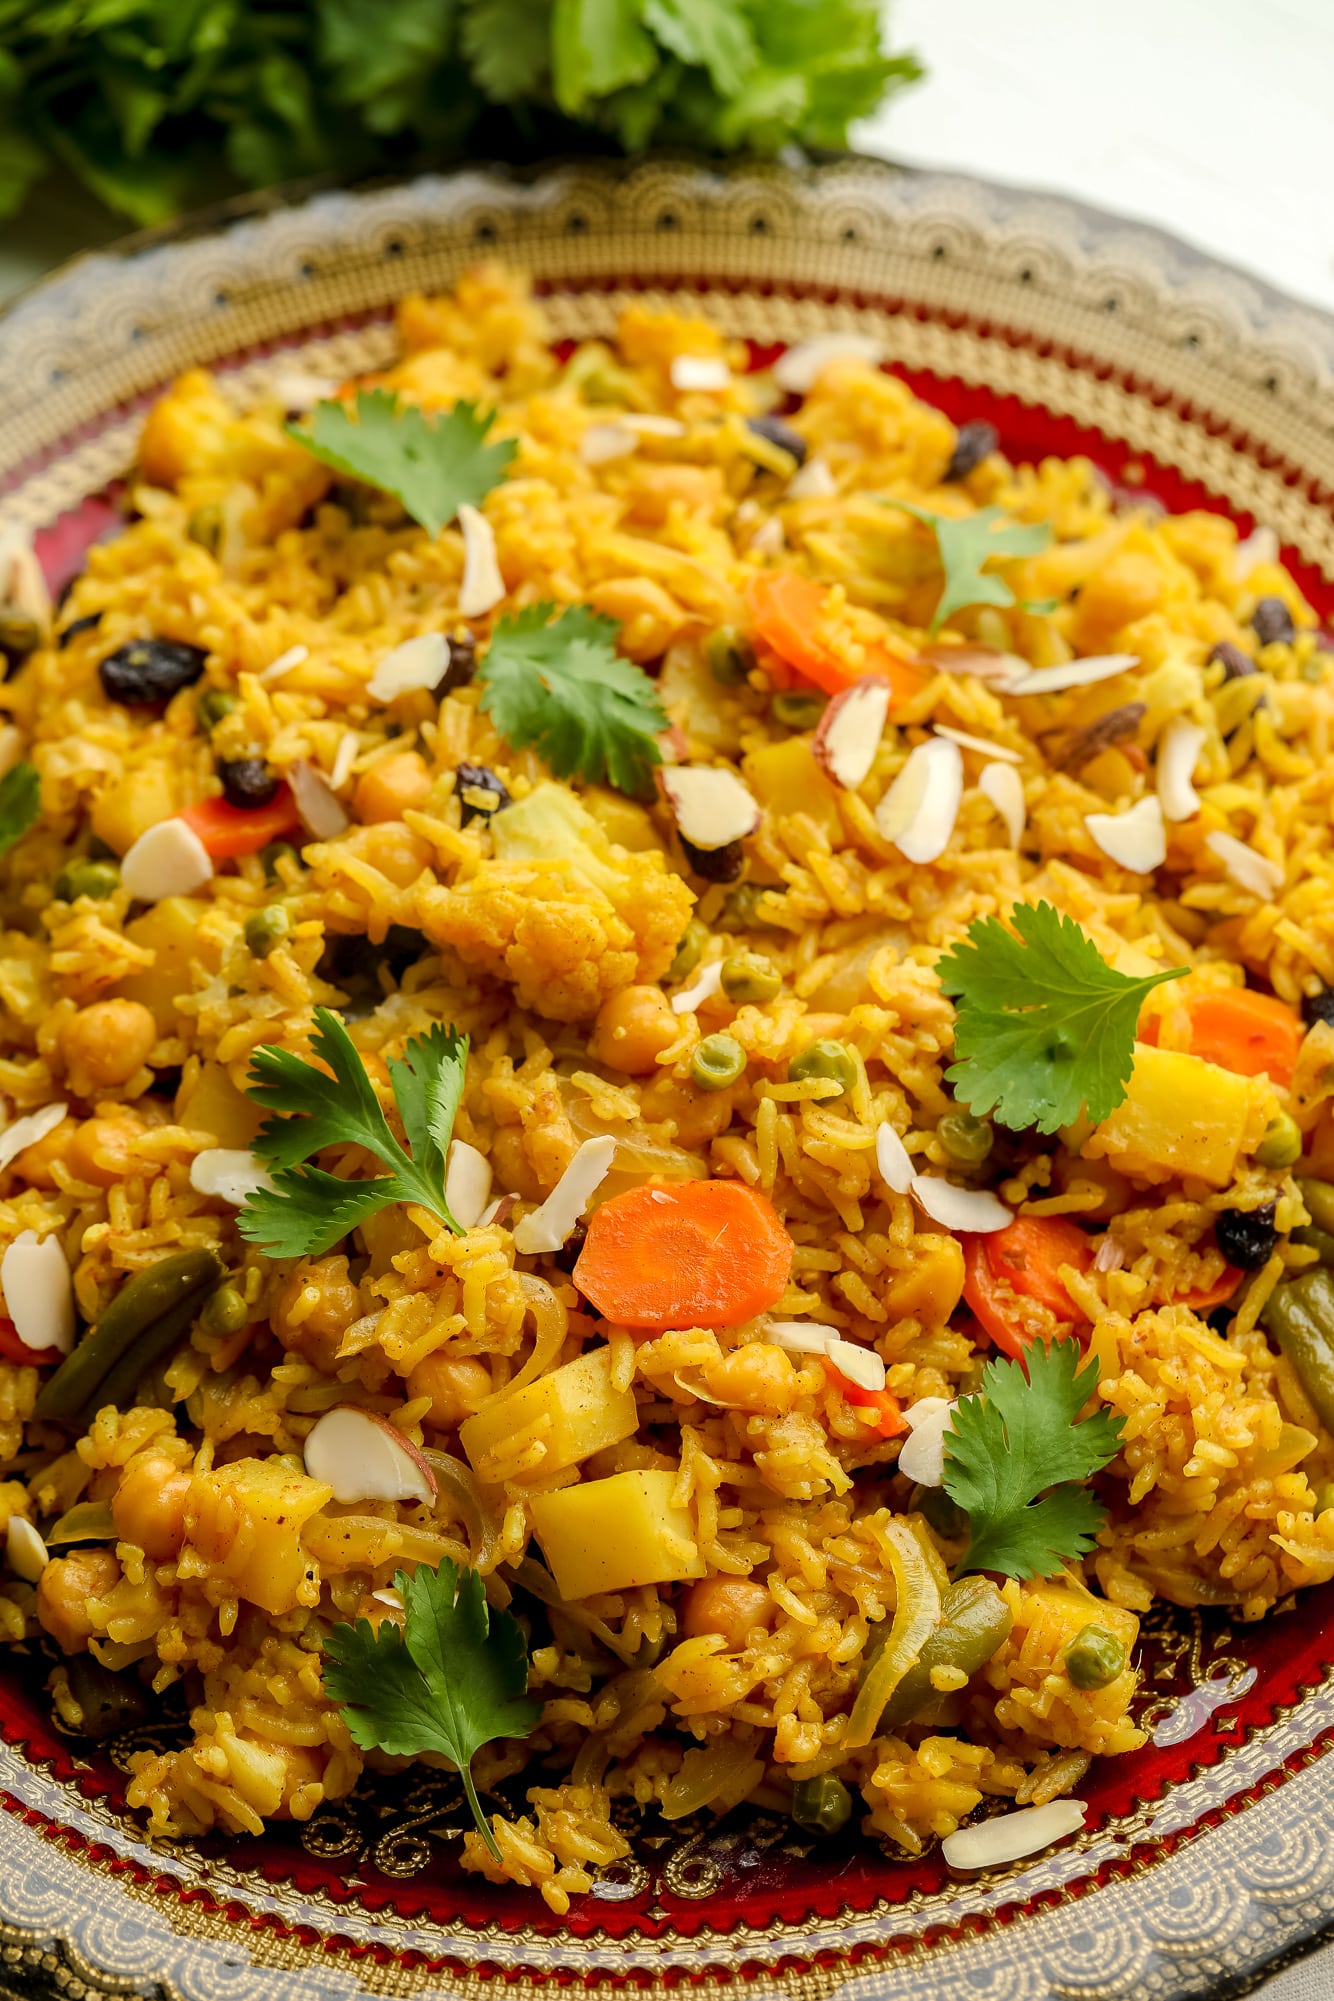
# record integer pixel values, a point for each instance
(560, 911)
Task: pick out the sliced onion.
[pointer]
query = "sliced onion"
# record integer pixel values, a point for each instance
(602, 443)
(547, 1228)
(813, 482)
(700, 371)
(922, 1458)
(168, 860)
(972, 1209)
(849, 732)
(916, 1613)
(284, 663)
(710, 805)
(893, 1160)
(483, 586)
(1135, 839)
(467, 1184)
(417, 664)
(706, 983)
(1071, 674)
(230, 1173)
(1002, 785)
(1110, 1254)
(979, 743)
(349, 743)
(25, 1551)
(920, 808)
(39, 1293)
(321, 815)
(1247, 867)
(26, 1132)
(801, 367)
(1007, 1837)
(365, 1458)
(1181, 744)
(860, 1365)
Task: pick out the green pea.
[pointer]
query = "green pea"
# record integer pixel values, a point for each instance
(212, 706)
(87, 878)
(1319, 1199)
(1281, 1143)
(717, 1062)
(823, 1805)
(20, 635)
(225, 1311)
(729, 656)
(749, 976)
(826, 1058)
(797, 712)
(1094, 1657)
(690, 950)
(1319, 1241)
(266, 928)
(743, 907)
(275, 852)
(205, 527)
(967, 1140)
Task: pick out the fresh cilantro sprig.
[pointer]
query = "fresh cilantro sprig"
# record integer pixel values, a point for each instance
(20, 803)
(558, 686)
(966, 544)
(308, 1210)
(1045, 1027)
(1016, 1456)
(432, 464)
(454, 1678)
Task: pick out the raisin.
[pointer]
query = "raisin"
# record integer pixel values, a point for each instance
(480, 792)
(1319, 1007)
(1236, 664)
(247, 782)
(78, 625)
(975, 442)
(461, 665)
(1271, 622)
(781, 434)
(716, 864)
(150, 670)
(566, 1258)
(1246, 1237)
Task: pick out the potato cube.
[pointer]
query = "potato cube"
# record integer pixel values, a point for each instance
(1182, 1116)
(243, 1523)
(609, 1535)
(785, 778)
(211, 1103)
(564, 1417)
(170, 931)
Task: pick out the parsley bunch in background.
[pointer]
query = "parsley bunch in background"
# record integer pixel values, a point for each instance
(160, 104)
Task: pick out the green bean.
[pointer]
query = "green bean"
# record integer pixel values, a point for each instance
(828, 1059)
(212, 706)
(144, 1321)
(797, 711)
(966, 1139)
(265, 929)
(823, 1804)
(1319, 1199)
(749, 976)
(729, 656)
(1300, 1316)
(690, 950)
(1094, 1657)
(1281, 1142)
(717, 1062)
(974, 1621)
(1320, 1241)
(87, 878)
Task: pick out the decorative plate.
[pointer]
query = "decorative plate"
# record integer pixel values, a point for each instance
(1208, 1856)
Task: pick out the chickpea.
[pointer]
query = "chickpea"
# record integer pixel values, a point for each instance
(759, 1376)
(314, 1307)
(457, 1387)
(102, 1150)
(389, 788)
(395, 850)
(64, 1589)
(105, 1043)
(33, 1166)
(632, 1029)
(149, 1505)
(732, 1606)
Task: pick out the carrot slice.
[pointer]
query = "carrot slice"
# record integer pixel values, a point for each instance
(880, 1410)
(227, 831)
(788, 614)
(13, 1348)
(684, 1254)
(1025, 1257)
(1205, 1296)
(1246, 1032)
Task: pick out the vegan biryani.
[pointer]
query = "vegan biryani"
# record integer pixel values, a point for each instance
(668, 1038)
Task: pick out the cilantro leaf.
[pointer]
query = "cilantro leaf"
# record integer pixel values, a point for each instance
(1019, 1439)
(558, 686)
(967, 545)
(20, 803)
(432, 464)
(308, 1210)
(1045, 1026)
(452, 1680)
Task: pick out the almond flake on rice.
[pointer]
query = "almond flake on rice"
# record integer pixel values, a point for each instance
(1135, 840)
(1249, 869)
(920, 808)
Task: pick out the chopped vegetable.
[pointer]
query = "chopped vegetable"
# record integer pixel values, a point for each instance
(974, 1621)
(1094, 1657)
(451, 1681)
(434, 465)
(1016, 1456)
(1246, 1032)
(569, 1414)
(879, 1408)
(97, 880)
(717, 1061)
(684, 1254)
(788, 613)
(966, 544)
(558, 686)
(1045, 1028)
(1182, 1116)
(148, 1316)
(832, 1062)
(20, 804)
(616, 1534)
(822, 1805)
(1025, 1258)
(13, 1348)
(309, 1210)
(1281, 1143)
(916, 1611)
(1299, 1316)
(228, 830)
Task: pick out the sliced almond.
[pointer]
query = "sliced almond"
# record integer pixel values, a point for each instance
(849, 732)
(467, 1184)
(981, 744)
(893, 1160)
(417, 664)
(1071, 674)
(973, 1210)
(1178, 754)
(1002, 785)
(700, 371)
(922, 1458)
(349, 746)
(365, 1458)
(601, 444)
(710, 805)
(1135, 839)
(706, 983)
(648, 424)
(1110, 1255)
(284, 664)
(861, 1366)
(26, 1132)
(1007, 1837)
(801, 1337)
(25, 1551)
(230, 1174)
(547, 1228)
(984, 663)
(321, 815)
(801, 367)
(483, 586)
(813, 482)
(920, 808)
(1247, 868)
(39, 1293)
(168, 860)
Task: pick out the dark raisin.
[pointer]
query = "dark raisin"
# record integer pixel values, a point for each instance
(716, 864)
(781, 434)
(78, 625)
(1319, 1007)
(1246, 1237)
(568, 1255)
(480, 792)
(975, 442)
(461, 666)
(247, 782)
(349, 959)
(1236, 664)
(150, 670)
(1271, 622)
